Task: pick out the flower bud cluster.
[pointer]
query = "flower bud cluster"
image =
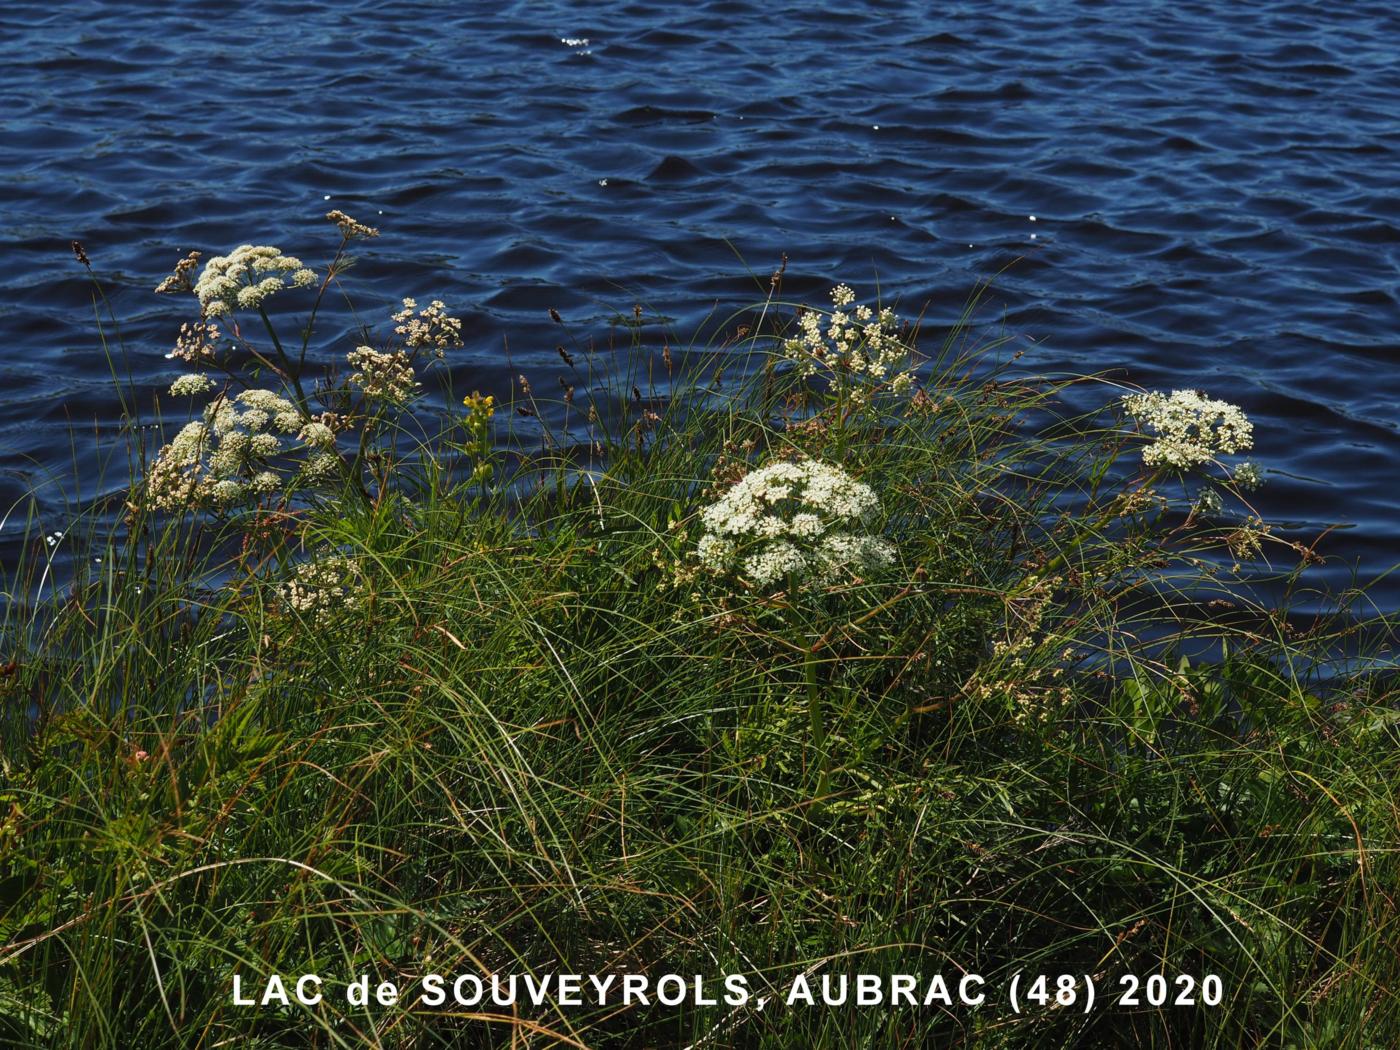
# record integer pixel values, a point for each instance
(349, 228)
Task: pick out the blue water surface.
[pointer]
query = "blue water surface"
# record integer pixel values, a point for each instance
(1215, 190)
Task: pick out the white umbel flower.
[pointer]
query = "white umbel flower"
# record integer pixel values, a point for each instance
(317, 435)
(191, 385)
(805, 521)
(228, 457)
(383, 375)
(857, 348)
(246, 276)
(1191, 429)
(317, 589)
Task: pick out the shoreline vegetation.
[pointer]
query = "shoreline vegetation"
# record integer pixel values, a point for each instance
(809, 652)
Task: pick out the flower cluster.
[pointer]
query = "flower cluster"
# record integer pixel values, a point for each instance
(261, 408)
(1191, 428)
(191, 385)
(431, 329)
(196, 342)
(805, 520)
(477, 424)
(321, 466)
(222, 459)
(1247, 475)
(349, 228)
(479, 411)
(857, 346)
(383, 375)
(174, 480)
(317, 434)
(319, 588)
(247, 276)
(182, 278)
(1208, 502)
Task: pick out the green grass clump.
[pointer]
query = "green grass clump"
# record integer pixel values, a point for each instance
(469, 705)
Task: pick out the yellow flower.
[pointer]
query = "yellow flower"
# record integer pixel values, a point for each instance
(477, 405)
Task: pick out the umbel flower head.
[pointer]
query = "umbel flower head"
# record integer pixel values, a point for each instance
(383, 375)
(806, 521)
(191, 385)
(430, 329)
(319, 588)
(224, 458)
(246, 276)
(854, 343)
(1190, 428)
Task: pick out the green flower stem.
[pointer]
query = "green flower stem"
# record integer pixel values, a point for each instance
(290, 370)
(293, 373)
(331, 272)
(817, 714)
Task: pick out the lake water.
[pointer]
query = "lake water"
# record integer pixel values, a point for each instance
(1216, 189)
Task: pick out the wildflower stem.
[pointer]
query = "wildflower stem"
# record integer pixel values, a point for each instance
(331, 272)
(290, 371)
(817, 716)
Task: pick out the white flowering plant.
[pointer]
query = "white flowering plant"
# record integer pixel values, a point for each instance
(327, 584)
(251, 441)
(774, 652)
(1191, 432)
(801, 524)
(858, 348)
